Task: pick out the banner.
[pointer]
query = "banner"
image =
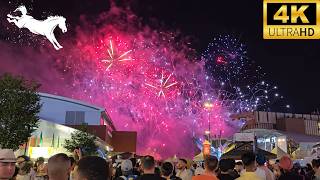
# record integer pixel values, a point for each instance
(243, 137)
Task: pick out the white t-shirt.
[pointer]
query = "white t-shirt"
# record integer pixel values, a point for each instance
(185, 174)
(261, 173)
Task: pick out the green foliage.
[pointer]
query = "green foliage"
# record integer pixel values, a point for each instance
(81, 139)
(19, 108)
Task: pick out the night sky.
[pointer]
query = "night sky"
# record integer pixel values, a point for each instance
(293, 65)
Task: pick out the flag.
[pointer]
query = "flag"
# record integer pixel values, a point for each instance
(37, 142)
(58, 142)
(34, 141)
(52, 143)
(41, 140)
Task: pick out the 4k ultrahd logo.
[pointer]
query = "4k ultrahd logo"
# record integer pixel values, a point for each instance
(291, 19)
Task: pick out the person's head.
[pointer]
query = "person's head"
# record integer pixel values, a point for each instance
(261, 159)
(211, 163)
(286, 163)
(166, 169)
(22, 160)
(182, 164)
(232, 163)
(92, 168)
(39, 161)
(239, 167)
(249, 161)
(7, 163)
(59, 167)
(148, 164)
(157, 171)
(297, 167)
(126, 167)
(316, 165)
(226, 164)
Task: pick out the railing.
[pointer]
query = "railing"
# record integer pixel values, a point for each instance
(259, 126)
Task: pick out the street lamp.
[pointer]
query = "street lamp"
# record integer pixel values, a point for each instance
(208, 105)
(207, 133)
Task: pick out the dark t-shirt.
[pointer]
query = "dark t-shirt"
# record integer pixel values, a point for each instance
(290, 176)
(150, 177)
(225, 177)
(175, 178)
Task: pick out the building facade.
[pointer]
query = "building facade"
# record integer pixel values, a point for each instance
(284, 133)
(59, 117)
(306, 124)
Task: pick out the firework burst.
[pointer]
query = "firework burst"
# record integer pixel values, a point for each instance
(226, 58)
(163, 85)
(114, 57)
(173, 114)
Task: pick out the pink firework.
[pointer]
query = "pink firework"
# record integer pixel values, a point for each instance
(114, 57)
(163, 85)
(143, 77)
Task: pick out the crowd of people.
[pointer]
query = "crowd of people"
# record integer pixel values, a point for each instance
(63, 167)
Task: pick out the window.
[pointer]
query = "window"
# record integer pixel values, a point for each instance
(75, 117)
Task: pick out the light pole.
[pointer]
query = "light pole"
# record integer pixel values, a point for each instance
(207, 132)
(208, 105)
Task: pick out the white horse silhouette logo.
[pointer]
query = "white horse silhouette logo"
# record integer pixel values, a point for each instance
(44, 28)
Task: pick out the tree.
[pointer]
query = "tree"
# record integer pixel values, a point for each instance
(83, 140)
(19, 108)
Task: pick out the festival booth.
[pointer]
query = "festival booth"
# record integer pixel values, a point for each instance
(244, 142)
(279, 152)
(241, 149)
